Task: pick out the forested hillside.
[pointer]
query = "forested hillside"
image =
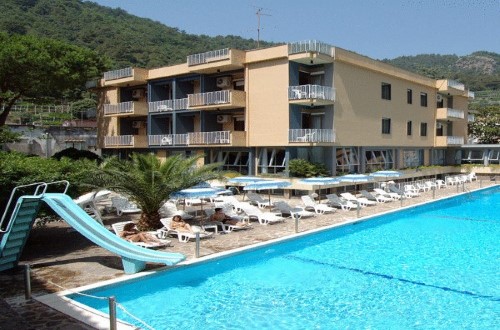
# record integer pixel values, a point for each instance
(128, 40)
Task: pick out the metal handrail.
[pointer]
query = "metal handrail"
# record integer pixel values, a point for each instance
(38, 193)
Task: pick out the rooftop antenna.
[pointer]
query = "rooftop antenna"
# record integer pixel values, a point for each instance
(259, 13)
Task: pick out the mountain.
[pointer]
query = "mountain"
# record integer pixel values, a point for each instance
(128, 40)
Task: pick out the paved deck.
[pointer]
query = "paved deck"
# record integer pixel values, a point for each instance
(61, 258)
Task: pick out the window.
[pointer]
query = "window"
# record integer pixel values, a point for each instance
(423, 129)
(423, 99)
(413, 158)
(409, 96)
(386, 91)
(386, 126)
(408, 127)
(347, 160)
(378, 159)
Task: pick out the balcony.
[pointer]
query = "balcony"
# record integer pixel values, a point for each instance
(311, 135)
(311, 95)
(168, 105)
(446, 141)
(125, 141)
(126, 77)
(451, 87)
(129, 109)
(225, 99)
(450, 114)
(218, 138)
(471, 118)
(311, 52)
(216, 61)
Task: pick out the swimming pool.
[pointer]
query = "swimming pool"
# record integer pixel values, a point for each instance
(429, 267)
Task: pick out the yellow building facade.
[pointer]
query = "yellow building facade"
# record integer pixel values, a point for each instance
(254, 111)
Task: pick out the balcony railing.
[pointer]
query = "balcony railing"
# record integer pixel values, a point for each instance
(120, 140)
(454, 140)
(471, 118)
(310, 46)
(210, 98)
(168, 105)
(309, 135)
(117, 74)
(470, 94)
(456, 85)
(311, 92)
(194, 138)
(206, 57)
(124, 107)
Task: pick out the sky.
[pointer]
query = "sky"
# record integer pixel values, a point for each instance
(375, 28)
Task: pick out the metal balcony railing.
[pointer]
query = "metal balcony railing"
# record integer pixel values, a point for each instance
(117, 74)
(120, 140)
(311, 92)
(210, 98)
(206, 57)
(168, 105)
(124, 107)
(194, 138)
(310, 46)
(456, 85)
(168, 140)
(455, 113)
(311, 135)
(454, 140)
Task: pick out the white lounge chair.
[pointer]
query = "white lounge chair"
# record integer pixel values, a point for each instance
(411, 190)
(362, 201)
(431, 185)
(382, 192)
(123, 206)
(401, 193)
(118, 228)
(375, 198)
(472, 176)
(88, 203)
(318, 208)
(226, 227)
(423, 187)
(169, 209)
(440, 184)
(183, 236)
(294, 212)
(264, 218)
(336, 201)
(258, 200)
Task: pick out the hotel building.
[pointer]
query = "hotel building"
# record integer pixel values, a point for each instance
(256, 110)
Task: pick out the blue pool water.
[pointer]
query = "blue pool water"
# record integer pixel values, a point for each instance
(429, 267)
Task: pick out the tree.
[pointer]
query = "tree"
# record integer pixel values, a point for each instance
(41, 69)
(486, 125)
(149, 181)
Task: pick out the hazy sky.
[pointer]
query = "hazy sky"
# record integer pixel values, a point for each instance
(375, 28)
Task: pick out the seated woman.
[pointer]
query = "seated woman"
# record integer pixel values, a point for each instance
(179, 224)
(131, 234)
(219, 215)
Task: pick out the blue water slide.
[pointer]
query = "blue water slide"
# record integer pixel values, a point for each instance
(134, 258)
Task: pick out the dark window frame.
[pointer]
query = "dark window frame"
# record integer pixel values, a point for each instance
(423, 99)
(409, 125)
(423, 129)
(386, 125)
(409, 96)
(386, 91)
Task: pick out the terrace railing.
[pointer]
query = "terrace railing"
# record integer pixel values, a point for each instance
(124, 107)
(311, 92)
(118, 74)
(310, 46)
(119, 140)
(168, 105)
(202, 58)
(311, 135)
(210, 98)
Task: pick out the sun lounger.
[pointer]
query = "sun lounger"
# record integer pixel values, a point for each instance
(381, 192)
(375, 198)
(183, 236)
(336, 201)
(123, 205)
(360, 200)
(264, 218)
(317, 207)
(118, 228)
(294, 212)
(258, 200)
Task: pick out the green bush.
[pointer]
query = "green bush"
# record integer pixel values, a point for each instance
(75, 154)
(305, 169)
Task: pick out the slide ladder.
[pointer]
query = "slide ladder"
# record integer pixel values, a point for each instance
(16, 232)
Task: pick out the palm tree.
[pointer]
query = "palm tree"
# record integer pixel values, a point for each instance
(149, 181)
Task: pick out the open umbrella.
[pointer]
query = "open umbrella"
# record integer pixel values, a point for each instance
(386, 174)
(267, 185)
(196, 192)
(245, 179)
(356, 178)
(320, 181)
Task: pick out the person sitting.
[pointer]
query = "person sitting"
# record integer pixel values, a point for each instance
(219, 215)
(131, 234)
(179, 224)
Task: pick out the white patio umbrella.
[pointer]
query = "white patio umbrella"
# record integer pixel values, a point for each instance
(320, 181)
(245, 179)
(356, 178)
(386, 174)
(267, 185)
(196, 192)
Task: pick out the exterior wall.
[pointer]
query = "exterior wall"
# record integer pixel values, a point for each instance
(359, 109)
(267, 103)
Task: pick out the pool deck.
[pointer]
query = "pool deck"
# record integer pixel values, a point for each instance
(62, 259)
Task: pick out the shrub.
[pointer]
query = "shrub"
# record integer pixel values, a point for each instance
(305, 169)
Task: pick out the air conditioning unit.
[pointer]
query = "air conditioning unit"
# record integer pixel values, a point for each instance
(137, 93)
(223, 82)
(221, 119)
(137, 124)
(439, 98)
